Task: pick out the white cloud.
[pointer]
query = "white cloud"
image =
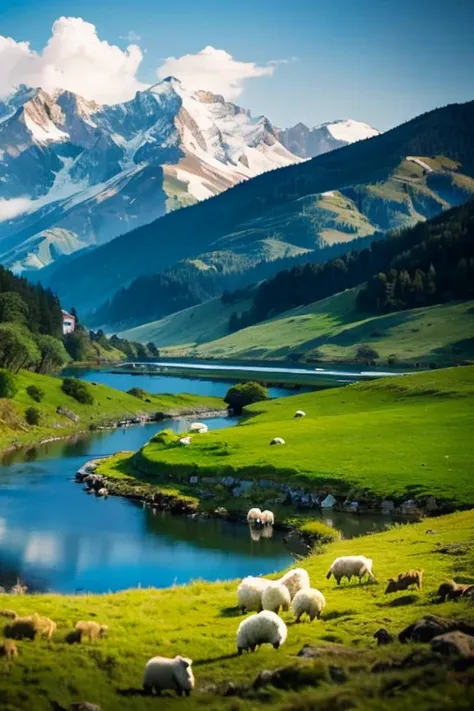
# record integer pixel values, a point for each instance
(215, 70)
(131, 36)
(74, 59)
(11, 208)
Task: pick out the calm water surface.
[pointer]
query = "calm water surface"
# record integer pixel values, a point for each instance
(55, 537)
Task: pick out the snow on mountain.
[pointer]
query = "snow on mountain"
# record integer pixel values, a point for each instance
(310, 142)
(72, 167)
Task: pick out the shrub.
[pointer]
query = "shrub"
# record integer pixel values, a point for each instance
(53, 354)
(137, 392)
(17, 348)
(366, 352)
(32, 416)
(78, 390)
(8, 384)
(243, 394)
(320, 532)
(35, 393)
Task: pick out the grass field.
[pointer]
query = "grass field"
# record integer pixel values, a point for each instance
(397, 437)
(109, 404)
(331, 330)
(200, 621)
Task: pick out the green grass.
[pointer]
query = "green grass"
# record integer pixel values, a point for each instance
(109, 404)
(400, 437)
(331, 330)
(200, 621)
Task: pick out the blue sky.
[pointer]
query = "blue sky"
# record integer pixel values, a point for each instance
(379, 61)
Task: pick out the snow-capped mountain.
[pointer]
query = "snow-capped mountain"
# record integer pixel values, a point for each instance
(310, 142)
(74, 173)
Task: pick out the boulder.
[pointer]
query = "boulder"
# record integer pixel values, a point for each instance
(453, 644)
(328, 502)
(193, 479)
(67, 413)
(383, 636)
(430, 626)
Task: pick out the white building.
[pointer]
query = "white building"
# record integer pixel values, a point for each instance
(69, 322)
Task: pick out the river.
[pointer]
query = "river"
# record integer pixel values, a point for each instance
(53, 536)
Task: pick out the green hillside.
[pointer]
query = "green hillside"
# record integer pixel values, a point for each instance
(394, 437)
(200, 621)
(332, 330)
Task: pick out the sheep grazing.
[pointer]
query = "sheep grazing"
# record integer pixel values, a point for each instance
(8, 649)
(275, 596)
(21, 628)
(199, 427)
(309, 601)
(300, 413)
(268, 518)
(277, 440)
(44, 626)
(73, 637)
(404, 580)
(8, 613)
(349, 566)
(249, 593)
(453, 591)
(165, 673)
(264, 628)
(254, 516)
(295, 580)
(92, 629)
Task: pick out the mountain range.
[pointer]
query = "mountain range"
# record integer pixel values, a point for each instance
(76, 174)
(395, 179)
(311, 142)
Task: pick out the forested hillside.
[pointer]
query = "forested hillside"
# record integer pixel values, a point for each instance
(242, 217)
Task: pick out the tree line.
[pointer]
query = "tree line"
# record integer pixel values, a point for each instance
(428, 263)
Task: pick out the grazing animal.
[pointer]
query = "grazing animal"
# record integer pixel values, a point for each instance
(74, 637)
(45, 627)
(249, 593)
(199, 427)
(268, 518)
(8, 613)
(277, 440)
(254, 516)
(264, 628)
(8, 649)
(349, 566)
(453, 591)
(309, 601)
(21, 628)
(165, 673)
(295, 580)
(92, 629)
(274, 596)
(300, 413)
(404, 580)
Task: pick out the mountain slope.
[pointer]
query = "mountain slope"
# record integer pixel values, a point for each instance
(311, 142)
(239, 216)
(74, 173)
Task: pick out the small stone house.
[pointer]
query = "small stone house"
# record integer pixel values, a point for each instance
(69, 322)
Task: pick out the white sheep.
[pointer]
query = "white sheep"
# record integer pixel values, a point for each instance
(165, 673)
(351, 565)
(277, 440)
(300, 413)
(249, 593)
(294, 580)
(91, 629)
(268, 518)
(199, 427)
(309, 601)
(254, 516)
(264, 628)
(275, 596)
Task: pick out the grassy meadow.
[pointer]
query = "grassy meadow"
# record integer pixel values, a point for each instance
(109, 404)
(200, 621)
(395, 437)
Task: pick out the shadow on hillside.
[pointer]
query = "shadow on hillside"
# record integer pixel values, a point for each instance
(457, 350)
(212, 660)
(230, 612)
(401, 601)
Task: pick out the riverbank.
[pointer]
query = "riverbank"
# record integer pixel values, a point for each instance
(399, 445)
(62, 416)
(200, 621)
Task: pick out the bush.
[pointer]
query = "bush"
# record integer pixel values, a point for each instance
(243, 394)
(53, 354)
(17, 348)
(78, 390)
(137, 392)
(32, 416)
(320, 532)
(8, 384)
(35, 393)
(366, 352)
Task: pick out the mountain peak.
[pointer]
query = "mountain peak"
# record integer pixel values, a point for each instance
(309, 143)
